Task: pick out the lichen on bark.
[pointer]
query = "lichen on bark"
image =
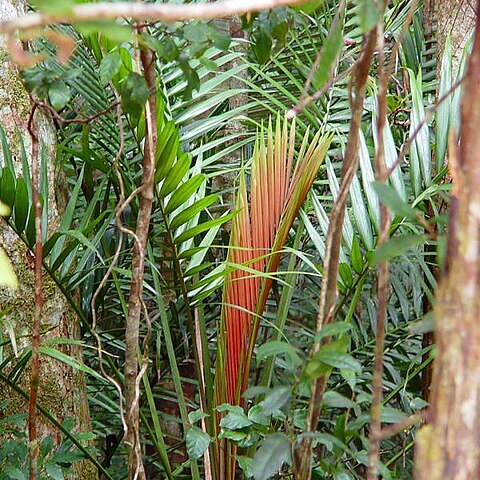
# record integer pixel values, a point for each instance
(62, 390)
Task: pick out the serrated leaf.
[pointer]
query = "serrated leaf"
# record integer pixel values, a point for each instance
(197, 443)
(272, 454)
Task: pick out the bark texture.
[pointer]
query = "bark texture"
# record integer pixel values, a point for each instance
(449, 446)
(61, 390)
(455, 18)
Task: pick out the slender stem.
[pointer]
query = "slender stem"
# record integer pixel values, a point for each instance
(381, 173)
(35, 374)
(328, 293)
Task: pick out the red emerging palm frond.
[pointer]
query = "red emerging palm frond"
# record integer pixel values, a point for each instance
(279, 186)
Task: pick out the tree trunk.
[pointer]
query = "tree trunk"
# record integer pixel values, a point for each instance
(62, 391)
(455, 18)
(449, 446)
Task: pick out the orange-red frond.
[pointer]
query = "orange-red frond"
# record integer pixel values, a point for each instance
(260, 229)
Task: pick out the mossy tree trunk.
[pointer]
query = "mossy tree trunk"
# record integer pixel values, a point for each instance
(61, 390)
(448, 447)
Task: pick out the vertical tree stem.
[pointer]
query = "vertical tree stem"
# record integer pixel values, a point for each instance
(146, 192)
(449, 446)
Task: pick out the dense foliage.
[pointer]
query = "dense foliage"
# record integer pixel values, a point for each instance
(208, 81)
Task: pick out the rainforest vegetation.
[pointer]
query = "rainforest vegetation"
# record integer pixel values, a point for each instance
(239, 240)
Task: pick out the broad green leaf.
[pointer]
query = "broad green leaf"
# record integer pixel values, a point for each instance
(332, 329)
(197, 443)
(202, 227)
(331, 48)
(273, 348)
(245, 463)
(257, 415)
(392, 415)
(7, 187)
(276, 399)
(336, 400)
(235, 419)
(14, 473)
(262, 46)
(345, 274)
(389, 197)
(342, 361)
(196, 416)
(134, 94)
(272, 454)
(356, 257)
(220, 40)
(59, 95)
(395, 246)
(196, 31)
(109, 66)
